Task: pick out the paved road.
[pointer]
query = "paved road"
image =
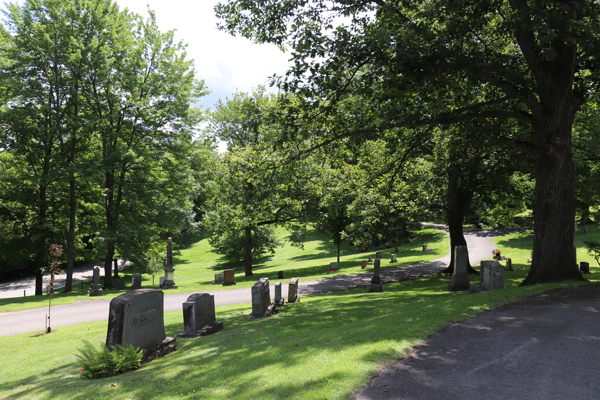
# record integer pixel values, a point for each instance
(542, 347)
(480, 245)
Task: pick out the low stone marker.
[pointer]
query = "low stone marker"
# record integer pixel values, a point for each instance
(491, 277)
(279, 301)
(460, 277)
(120, 283)
(333, 266)
(425, 247)
(293, 296)
(137, 318)
(199, 316)
(377, 254)
(363, 264)
(508, 265)
(376, 285)
(228, 277)
(279, 274)
(136, 281)
(96, 290)
(584, 267)
(393, 260)
(219, 279)
(261, 298)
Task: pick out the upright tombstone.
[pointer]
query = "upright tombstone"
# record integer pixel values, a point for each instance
(425, 247)
(169, 282)
(508, 265)
(116, 267)
(333, 266)
(363, 264)
(293, 291)
(199, 316)
(261, 298)
(136, 281)
(96, 289)
(219, 279)
(228, 277)
(376, 285)
(377, 254)
(278, 297)
(393, 260)
(460, 277)
(491, 275)
(120, 283)
(280, 274)
(585, 230)
(584, 267)
(137, 318)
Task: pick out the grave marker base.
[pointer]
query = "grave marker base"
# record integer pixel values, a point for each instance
(376, 287)
(204, 331)
(166, 287)
(229, 283)
(161, 349)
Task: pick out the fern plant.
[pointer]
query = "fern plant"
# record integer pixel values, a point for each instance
(100, 363)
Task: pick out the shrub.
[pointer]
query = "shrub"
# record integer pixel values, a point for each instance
(100, 363)
(593, 248)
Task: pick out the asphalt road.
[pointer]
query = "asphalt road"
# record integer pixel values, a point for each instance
(542, 347)
(480, 244)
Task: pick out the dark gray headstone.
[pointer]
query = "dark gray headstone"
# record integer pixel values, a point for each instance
(136, 281)
(460, 277)
(261, 297)
(393, 260)
(491, 275)
(199, 316)
(376, 280)
(333, 266)
(509, 265)
(169, 281)
(96, 278)
(584, 267)
(136, 318)
(279, 274)
(293, 291)
(120, 283)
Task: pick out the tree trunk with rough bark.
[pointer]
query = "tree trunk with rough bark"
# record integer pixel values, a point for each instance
(248, 251)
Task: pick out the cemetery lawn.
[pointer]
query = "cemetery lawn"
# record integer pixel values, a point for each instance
(518, 245)
(324, 347)
(195, 268)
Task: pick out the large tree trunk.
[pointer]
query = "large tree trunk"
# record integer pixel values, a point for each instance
(110, 245)
(39, 282)
(339, 243)
(248, 251)
(553, 252)
(71, 237)
(459, 202)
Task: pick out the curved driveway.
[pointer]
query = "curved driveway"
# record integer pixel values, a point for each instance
(480, 244)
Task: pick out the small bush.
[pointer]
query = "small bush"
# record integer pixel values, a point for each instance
(100, 363)
(593, 248)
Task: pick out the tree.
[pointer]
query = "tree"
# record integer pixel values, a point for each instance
(434, 62)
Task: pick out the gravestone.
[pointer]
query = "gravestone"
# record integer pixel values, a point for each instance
(377, 254)
(491, 275)
(333, 266)
(376, 285)
(278, 297)
(460, 277)
(393, 260)
(425, 247)
(169, 282)
(116, 267)
(96, 290)
(229, 277)
(279, 274)
(199, 316)
(363, 264)
(120, 283)
(293, 296)
(585, 230)
(137, 318)
(261, 298)
(162, 280)
(136, 281)
(584, 267)
(219, 278)
(508, 265)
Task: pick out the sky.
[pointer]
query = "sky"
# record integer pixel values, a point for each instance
(226, 63)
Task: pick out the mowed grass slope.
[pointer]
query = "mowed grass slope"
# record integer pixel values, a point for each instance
(195, 268)
(321, 348)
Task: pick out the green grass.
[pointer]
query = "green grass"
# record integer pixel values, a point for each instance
(195, 268)
(321, 348)
(517, 246)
